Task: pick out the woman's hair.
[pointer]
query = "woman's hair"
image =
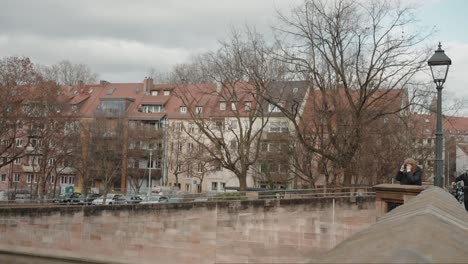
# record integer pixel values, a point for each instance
(412, 162)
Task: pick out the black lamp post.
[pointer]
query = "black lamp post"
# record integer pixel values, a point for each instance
(439, 64)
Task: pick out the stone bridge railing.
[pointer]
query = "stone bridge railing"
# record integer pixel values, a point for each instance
(272, 230)
(432, 227)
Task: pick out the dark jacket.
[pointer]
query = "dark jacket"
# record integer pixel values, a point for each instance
(410, 178)
(464, 178)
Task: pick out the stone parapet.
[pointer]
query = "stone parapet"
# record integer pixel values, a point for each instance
(389, 196)
(255, 231)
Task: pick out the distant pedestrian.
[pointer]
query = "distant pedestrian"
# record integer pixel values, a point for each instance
(409, 173)
(464, 177)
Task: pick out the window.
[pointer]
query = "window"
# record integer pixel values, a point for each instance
(29, 178)
(179, 126)
(71, 180)
(189, 171)
(35, 142)
(199, 109)
(187, 187)
(222, 106)
(190, 147)
(233, 124)
(233, 144)
(295, 89)
(179, 167)
(179, 147)
(51, 162)
(3, 177)
(19, 142)
(272, 108)
(154, 93)
(110, 91)
(214, 186)
(16, 177)
(279, 127)
(385, 120)
(52, 179)
(19, 124)
(191, 128)
(183, 109)
(74, 108)
(166, 92)
(219, 124)
(217, 166)
(199, 167)
(247, 106)
(17, 161)
(234, 106)
(112, 105)
(153, 108)
(222, 186)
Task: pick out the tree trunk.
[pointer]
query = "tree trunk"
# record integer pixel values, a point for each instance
(242, 182)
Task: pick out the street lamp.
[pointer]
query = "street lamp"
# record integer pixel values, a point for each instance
(439, 64)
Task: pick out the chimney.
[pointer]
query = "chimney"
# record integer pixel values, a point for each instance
(103, 83)
(80, 85)
(147, 85)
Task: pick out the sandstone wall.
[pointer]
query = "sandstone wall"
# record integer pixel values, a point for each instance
(290, 230)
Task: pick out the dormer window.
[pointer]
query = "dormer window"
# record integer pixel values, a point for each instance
(153, 108)
(222, 106)
(199, 109)
(272, 108)
(166, 92)
(233, 106)
(295, 89)
(154, 93)
(183, 109)
(74, 108)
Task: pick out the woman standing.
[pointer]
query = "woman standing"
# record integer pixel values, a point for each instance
(410, 173)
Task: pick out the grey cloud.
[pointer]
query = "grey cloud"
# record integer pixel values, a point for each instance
(169, 23)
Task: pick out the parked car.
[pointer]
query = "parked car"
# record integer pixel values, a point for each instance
(176, 200)
(153, 199)
(67, 198)
(86, 199)
(110, 199)
(130, 199)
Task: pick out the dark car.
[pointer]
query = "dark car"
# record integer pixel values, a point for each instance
(67, 198)
(130, 199)
(86, 199)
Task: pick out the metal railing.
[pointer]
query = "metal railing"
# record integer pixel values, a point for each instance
(181, 197)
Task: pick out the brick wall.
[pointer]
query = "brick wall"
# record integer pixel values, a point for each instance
(291, 230)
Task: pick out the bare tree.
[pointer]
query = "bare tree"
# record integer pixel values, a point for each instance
(68, 73)
(354, 54)
(144, 137)
(104, 151)
(17, 76)
(50, 137)
(230, 115)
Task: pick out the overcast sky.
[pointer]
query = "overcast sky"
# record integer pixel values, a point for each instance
(121, 40)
